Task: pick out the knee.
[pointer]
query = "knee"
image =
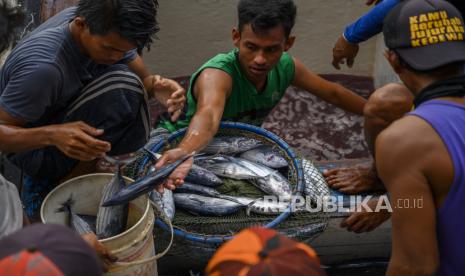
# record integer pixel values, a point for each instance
(388, 103)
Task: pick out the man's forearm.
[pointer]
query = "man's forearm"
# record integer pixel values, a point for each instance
(16, 139)
(138, 67)
(349, 100)
(201, 130)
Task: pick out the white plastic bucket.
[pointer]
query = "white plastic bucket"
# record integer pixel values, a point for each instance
(134, 247)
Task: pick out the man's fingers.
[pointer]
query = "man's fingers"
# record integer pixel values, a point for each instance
(90, 130)
(330, 172)
(108, 256)
(350, 62)
(178, 94)
(88, 137)
(79, 155)
(336, 64)
(95, 144)
(175, 115)
(359, 226)
(87, 151)
(161, 162)
(350, 220)
(160, 189)
(170, 186)
(175, 105)
(348, 190)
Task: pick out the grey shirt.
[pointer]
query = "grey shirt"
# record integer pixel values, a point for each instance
(46, 71)
(11, 211)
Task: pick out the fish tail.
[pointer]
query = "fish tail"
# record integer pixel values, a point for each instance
(66, 206)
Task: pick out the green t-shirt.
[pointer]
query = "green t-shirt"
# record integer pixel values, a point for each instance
(244, 104)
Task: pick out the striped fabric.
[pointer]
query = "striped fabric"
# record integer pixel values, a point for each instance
(116, 102)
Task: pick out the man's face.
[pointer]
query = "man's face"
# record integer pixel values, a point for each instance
(107, 49)
(260, 52)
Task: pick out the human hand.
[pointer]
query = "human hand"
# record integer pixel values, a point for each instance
(344, 52)
(176, 178)
(77, 141)
(167, 92)
(105, 256)
(366, 221)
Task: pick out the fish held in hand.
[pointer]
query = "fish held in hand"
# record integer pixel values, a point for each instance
(145, 184)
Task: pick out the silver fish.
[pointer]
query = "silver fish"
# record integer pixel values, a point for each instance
(203, 205)
(190, 188)
(264, 207)
(165, 202)
(269, 181)
(204, 177)
(91, 220)
(112, 220)
(231, 145)
(260, 205)
(266, 155)
(77, 223)
(225, 167)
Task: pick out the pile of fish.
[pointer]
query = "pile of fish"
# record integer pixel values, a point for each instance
(229, 157)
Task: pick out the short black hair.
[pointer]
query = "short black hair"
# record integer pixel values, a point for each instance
(10, 18)
(134, 20)
(266, 14)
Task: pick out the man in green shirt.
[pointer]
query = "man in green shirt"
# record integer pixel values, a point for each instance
(245, 84)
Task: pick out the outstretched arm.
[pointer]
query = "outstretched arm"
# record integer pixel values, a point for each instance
(211, 90)
(402, 170)
(346, 47)
(328, 91)
(369, 24)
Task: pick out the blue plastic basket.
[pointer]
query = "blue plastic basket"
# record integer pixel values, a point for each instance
(295, 168)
